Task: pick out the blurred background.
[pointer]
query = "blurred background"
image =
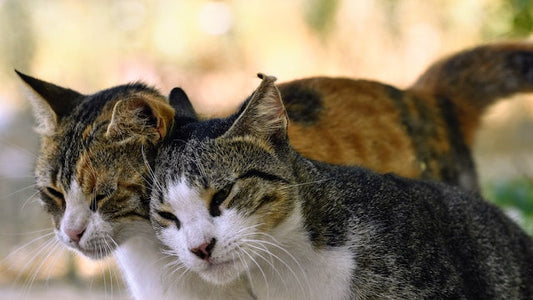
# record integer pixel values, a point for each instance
(213, 49)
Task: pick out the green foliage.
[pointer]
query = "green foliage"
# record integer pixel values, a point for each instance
(510, 19)
(516, 197)
(522, 21)
(319, 14)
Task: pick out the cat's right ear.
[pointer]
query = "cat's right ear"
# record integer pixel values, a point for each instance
(179, 100)
(140, 119)
(49, 102)
(263, 115)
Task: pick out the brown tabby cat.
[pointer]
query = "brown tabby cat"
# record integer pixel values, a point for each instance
(93, 171)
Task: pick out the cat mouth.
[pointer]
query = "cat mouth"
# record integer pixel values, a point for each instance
(93, 251)
(95, 254)
(219, 272)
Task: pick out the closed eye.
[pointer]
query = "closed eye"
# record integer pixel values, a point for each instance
(218, 198)
(54, 193)
(169, 217)
(96, 200)
(52, 197)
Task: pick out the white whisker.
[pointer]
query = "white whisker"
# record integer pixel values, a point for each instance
(51, 250)
(28, 200)
(260, 270)
(33, 241)
(18, 191)
(283, 262)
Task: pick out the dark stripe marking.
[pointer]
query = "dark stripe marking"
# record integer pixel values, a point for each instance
(262, 175)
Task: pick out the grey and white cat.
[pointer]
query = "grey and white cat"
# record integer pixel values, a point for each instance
(241, 203)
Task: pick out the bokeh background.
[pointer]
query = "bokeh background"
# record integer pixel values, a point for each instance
(213, 49)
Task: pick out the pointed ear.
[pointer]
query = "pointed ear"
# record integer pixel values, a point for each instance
(181, 104)
(264, 115)
(49, 102)
(140, 118)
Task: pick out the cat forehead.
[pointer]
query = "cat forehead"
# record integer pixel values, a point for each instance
(79, 140)
(183, 195)
(217, 159)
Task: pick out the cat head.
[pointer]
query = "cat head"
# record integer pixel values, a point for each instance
(92, 171)
(220, 202)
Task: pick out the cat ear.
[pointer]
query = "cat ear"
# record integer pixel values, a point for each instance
(264, 115)
(49, 102)
(140, 118)
(181, 104)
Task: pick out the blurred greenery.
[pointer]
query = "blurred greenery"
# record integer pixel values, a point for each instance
(320, 14)
(512, 19)
(516, 197)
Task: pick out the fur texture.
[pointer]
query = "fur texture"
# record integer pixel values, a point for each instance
(93, 169)
(244, 204)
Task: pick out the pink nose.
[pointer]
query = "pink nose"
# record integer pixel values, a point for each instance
(204, 250)
(75, 234)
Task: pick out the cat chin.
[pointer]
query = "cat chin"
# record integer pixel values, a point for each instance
(96, 252)
(220, 274)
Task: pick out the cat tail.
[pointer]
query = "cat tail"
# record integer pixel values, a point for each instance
(474, 79)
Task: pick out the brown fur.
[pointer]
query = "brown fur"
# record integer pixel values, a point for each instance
(106, 141)
(424, 131)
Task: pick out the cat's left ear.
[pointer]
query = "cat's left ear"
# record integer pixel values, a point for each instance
(50, 102)
(264, 115)
(179, 100)
(140, 118)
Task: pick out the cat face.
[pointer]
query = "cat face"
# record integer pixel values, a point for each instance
(92, 171)
(222, 206)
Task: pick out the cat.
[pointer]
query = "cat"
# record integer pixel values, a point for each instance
(93, 169)
(425, 131)
(242, 203)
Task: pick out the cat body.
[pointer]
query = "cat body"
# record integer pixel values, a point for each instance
(95, 192)
(93, 171)
(245, 204)
(425, 131)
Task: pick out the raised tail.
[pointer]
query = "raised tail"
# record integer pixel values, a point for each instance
(474, 79)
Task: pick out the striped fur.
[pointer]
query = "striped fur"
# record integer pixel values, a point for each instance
(295, 228)
(96, 149)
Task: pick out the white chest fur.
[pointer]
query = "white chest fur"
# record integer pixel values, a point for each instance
(297, 271)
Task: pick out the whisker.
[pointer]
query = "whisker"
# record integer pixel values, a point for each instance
(18, 147)
(33, 241)
(154, 181)
(285, 263)
(247, 269)
(265, 250)
(28, 201)
(260, 270)
(26, 233)
(51, 249)
(18, 191)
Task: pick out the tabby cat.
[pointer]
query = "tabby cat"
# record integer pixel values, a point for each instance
(245, 204)
(93, 169)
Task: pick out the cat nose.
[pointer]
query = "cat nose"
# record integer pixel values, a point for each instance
(204, 250)
(75, 234)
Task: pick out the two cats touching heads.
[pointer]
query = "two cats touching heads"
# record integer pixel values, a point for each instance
(318, 188)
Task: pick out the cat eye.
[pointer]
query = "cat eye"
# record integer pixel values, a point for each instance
(218, 199)
(96, 200)
(53, 197)
(170, 217)
(54, 193)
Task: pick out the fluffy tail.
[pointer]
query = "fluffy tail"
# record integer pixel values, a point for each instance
(475, 78)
